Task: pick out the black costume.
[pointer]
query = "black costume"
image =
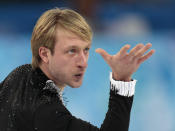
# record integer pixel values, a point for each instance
(29, 103)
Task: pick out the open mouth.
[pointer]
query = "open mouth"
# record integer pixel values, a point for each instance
(78, 76)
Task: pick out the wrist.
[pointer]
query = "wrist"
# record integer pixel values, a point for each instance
(122, 88)
(120, 78)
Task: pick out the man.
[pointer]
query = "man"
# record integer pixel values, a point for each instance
(30, 96)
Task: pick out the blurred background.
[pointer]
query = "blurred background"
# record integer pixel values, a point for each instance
(115, 23)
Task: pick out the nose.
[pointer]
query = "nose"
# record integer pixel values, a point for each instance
(82, 60)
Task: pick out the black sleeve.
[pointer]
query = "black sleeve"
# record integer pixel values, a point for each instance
(54, 117)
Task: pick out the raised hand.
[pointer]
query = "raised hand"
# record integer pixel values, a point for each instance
(124, 64)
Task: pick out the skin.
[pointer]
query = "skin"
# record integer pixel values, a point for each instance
(124, 64)
(69, 62)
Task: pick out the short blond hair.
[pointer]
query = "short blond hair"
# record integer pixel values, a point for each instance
(44, 31)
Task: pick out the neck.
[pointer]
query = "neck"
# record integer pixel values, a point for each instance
(45, 70)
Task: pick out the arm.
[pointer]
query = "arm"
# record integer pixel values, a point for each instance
(55, 117)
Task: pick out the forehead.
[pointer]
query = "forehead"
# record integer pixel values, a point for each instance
(66, 38)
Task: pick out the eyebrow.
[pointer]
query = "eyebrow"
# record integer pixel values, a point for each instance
(75, 46)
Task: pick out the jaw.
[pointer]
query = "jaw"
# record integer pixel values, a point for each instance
(76, 83)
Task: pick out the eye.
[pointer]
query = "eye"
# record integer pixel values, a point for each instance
(72, 51)
(86, 50)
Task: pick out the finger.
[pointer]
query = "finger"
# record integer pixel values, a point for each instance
(103, 53)
(124, 50)
(134, 51)
(143, 50)
(145, 57)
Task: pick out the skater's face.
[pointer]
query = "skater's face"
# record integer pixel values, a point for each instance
(68, 63)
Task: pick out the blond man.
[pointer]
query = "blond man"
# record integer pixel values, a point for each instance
(31, 96)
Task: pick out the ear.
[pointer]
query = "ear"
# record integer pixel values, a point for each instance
(44, 54)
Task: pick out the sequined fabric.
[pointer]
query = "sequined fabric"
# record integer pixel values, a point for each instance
(22, 92)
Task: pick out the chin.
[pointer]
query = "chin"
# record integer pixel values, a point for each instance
(77, 85)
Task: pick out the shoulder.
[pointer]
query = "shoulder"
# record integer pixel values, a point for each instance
(18, 72)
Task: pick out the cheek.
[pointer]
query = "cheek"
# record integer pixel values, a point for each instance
(63, 64)
(60, 63)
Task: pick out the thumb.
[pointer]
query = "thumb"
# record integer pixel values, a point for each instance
(103, 53)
